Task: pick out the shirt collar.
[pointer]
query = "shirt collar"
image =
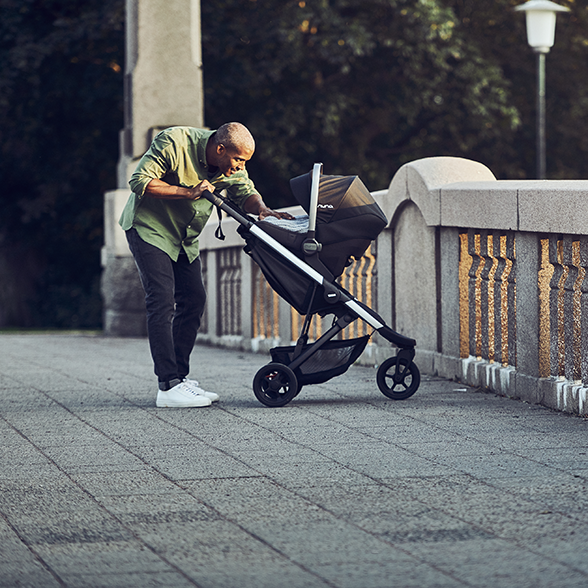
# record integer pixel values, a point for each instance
(202, 150)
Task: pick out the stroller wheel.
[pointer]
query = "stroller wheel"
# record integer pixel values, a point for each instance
(398, 379)
(298, 389)
(275, 385)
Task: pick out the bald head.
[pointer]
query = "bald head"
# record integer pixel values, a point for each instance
(235, 136)
(230, 148)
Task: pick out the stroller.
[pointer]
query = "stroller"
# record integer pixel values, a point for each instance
(301, 260)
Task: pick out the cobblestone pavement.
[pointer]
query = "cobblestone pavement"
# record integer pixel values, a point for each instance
(341, 488)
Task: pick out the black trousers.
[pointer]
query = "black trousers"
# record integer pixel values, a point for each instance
(175, 299)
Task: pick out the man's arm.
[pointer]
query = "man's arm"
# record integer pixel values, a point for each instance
(165, 191)
(255, 205)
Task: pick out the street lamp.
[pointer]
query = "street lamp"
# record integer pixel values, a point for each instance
(541, 36)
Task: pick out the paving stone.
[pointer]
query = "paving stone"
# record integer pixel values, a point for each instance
(341, 488)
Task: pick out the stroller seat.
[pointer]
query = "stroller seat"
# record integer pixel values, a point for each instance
(348, 220)
(290, 233)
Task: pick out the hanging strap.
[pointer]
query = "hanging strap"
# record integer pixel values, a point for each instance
(219, 230)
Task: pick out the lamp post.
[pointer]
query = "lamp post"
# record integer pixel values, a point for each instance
(541, 16)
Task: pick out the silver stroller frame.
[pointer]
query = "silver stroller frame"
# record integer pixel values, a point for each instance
(277, 383)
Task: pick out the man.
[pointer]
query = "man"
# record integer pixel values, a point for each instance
(162, 219)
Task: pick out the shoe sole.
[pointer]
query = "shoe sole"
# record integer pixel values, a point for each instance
(180, 405)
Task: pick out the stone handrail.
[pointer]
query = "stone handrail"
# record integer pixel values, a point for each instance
(489, 276)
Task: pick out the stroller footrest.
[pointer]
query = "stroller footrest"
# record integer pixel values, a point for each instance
(396, 338)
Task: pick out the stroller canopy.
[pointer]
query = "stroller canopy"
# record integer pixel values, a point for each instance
(339, 196)
(348, 218)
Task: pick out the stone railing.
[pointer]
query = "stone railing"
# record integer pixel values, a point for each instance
(500, 295)
(490, 277)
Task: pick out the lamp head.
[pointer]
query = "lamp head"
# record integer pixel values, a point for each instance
(540, 16)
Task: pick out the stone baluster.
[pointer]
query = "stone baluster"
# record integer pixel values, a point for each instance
(486, 256)
(499, 276)
(572, 271)
(525, 357)
(511, 300)
(229, 288)
(473, 293)
(204, 320)
(584, 309)
(554, 304)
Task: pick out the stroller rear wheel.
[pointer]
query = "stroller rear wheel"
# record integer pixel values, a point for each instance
(398, 379)
(275, 384)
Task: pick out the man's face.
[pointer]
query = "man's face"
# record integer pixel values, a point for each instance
(231, 161)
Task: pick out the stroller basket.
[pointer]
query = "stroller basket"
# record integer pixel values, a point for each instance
(332, 359)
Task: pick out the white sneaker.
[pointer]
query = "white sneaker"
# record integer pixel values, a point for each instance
(195, 386)
(181, 396)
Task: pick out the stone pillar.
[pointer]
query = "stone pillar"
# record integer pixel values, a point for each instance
(163, 88)
(528, 264)
(448, 301)
(415, 278)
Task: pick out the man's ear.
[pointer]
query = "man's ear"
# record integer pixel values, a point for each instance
(220, 149)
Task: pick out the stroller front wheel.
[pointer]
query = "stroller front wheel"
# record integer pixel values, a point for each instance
(275, 384)
(398, 379)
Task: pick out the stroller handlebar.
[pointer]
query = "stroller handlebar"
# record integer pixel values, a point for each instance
(222, 203)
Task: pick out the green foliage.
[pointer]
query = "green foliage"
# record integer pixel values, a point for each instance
(500, 33)
(60, 114)
(362, 85)
(367, 85)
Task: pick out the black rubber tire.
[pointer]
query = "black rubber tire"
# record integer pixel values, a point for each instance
(396, 380)
(275, 384)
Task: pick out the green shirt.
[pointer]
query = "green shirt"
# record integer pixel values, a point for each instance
(177, 156)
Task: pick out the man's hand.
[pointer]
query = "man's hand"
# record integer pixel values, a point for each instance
(255, 205)
(265, 212)
(203, 186)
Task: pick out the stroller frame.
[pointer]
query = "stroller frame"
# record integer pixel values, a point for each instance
(276, 384)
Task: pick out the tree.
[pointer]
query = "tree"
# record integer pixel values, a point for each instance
(363, 86)
(60, 114)
(501, 35)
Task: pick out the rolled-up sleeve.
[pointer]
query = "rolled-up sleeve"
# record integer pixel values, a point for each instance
(154, 165)
(239, 187)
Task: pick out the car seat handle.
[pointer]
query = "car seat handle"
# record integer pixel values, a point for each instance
(314, 196)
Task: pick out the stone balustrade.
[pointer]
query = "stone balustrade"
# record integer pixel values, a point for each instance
(489, 276)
